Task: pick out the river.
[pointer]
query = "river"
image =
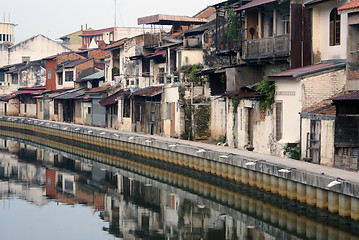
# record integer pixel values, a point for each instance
(49, 194)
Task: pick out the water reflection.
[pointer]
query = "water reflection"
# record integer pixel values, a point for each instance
(136, 207)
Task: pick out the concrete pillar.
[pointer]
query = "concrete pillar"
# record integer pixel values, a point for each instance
(283, 187)
(355, 208)
(225, 170)
(259, 180)
(244, 176)
(237, 174)
(267, 182)
(252, 178)
(301, 193)
(213, 167)
(231, 172)
(322, 198)
(344, 205)
(291, 190)
(274, 184)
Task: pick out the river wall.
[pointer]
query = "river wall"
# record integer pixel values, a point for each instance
(330, 189)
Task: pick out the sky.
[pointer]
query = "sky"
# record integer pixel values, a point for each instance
(55, 19)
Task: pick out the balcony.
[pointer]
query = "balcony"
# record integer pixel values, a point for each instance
(266, 48)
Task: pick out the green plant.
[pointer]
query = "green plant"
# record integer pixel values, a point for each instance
(235, 103)
(293, 151)
(222, 139)
(267, 88)
(233, 24)
(191, 72)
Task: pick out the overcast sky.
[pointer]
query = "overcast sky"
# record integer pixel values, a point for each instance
(55, 19)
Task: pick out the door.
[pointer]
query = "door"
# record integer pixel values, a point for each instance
(314, 141)
(250, 126)
(173, 120)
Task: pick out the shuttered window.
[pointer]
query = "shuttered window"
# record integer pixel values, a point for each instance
(334, 28)
(279, 120)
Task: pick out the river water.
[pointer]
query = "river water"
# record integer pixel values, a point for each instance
(49, 194)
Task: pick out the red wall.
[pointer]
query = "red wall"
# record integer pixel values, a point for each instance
(51, 83)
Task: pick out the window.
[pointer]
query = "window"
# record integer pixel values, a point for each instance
(278, 119)
(60, 82)
(14, 79)
(56, 108)
(138, 113)
(40, 106)
(69, 76)
(126, 108)
(49, 73)
(161, 75)
(334, 31)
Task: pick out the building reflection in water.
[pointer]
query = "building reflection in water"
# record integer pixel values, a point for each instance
(133, 208)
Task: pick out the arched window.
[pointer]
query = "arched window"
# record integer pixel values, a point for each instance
(334, 31)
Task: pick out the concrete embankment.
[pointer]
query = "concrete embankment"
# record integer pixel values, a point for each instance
(331, 189)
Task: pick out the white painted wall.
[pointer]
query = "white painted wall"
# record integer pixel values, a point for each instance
(190, 57)
(218, 118)
(289, 92)
(171, 95)
(36, 48)
(124, 124)
(321, 22)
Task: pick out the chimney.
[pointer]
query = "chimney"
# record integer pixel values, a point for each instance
(86, 26)
(82, 27)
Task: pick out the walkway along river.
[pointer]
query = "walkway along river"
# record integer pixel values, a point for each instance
(333, 190)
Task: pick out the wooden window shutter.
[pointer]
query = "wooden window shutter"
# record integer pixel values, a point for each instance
(331, 33)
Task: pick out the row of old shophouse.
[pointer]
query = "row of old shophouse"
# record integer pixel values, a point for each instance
(198, 78)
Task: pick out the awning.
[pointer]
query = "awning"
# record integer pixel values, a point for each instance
(148, 92)
(254, 3)
(113, 98)
(7, 98)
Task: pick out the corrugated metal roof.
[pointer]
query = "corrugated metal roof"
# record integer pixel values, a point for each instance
(113, 98)
(302, 71)
(347, 97)
(116, 44)
(170, 20)
(7, 98)
(98, 89)
(72, 94)
(157, 53)
(31, 91)
(95, 76)
(148, 92)
(254, 3)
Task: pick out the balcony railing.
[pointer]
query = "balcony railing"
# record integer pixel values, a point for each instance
(272, 47)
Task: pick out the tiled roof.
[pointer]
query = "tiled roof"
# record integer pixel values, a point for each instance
(75, 63)
(302, 71)
(71, 94)
(350, 5)
(7, 98)
(31, 91)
